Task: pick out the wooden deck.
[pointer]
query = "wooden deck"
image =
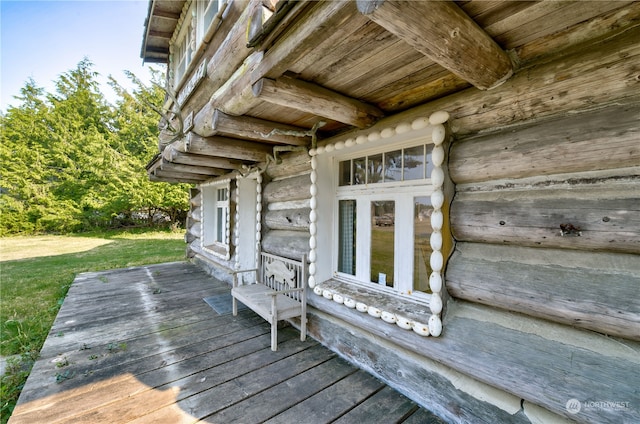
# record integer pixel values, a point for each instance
(140, 345)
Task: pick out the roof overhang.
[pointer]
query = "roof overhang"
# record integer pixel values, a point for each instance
(162, 19)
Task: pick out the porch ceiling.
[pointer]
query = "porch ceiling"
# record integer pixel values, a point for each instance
(350, 64)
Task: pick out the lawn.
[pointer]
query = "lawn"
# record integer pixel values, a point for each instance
(35, 274)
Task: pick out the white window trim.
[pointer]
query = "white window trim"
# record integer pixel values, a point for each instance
(404, 133)
(209, 212)
(191, 24)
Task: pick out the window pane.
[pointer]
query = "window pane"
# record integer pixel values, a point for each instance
(359, 170)
(414, 163)
(344, 177)
(421, 244)
(220, 224)
(393, 166)
(375, 169)
(211, 8)
(429, 162)
(382, 242)
(347, 236)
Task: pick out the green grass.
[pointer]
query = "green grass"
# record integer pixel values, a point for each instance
(37, 275)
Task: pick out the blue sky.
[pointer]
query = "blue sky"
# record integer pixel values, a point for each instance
(43, 39)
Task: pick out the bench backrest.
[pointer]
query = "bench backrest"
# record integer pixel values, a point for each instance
(281, 273)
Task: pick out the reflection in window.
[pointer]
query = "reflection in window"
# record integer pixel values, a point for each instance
(393, 166)
(421, 244)
(360, 171)
(382, 242)
(344, 177)
(396, 165)
(347, 236)
(414, 163)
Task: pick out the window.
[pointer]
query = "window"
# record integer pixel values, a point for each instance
(215, 219)
(383, 219)
(189, 36)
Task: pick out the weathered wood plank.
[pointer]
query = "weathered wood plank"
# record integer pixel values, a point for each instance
(604, 213)
(208, 402)
(600, 139)
(342, 396)
(302, 37)
(293, 163)
(287, 393)
(386, 406)
(605, 70)
(444, 33)
(597, 291)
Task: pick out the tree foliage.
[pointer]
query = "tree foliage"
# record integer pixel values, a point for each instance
(73, 162)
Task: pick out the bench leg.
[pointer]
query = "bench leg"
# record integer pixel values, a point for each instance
(303, 328)
(234, 306)
(274, 336)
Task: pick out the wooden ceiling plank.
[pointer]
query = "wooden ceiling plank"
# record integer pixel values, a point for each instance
(258, 129)
(443, 32)
(303, 37)
(312, 98)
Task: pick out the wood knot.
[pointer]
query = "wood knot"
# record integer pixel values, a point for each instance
(570, 230)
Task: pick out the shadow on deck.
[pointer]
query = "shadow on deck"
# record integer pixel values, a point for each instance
(140, 345)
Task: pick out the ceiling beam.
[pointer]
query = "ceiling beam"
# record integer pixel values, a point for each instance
(317, 100)
(443, 32)
(169, 177)
(258, 129)
(192, 169)
(171, 154)
(225, 147)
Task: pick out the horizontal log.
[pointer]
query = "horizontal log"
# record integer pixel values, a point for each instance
(172, 180)
(191, 169)
(182, 177)
(172, 155)
(288, 189)
(531, 359)
(290, 244)
(293, 163)
(235, 96)
(293, 204)
(601, 139)
(196, 198)
(288, 219)
(596, 214)
(258, 129)
(317, 100)
(224, 147)
(596, 291)
(443, 32)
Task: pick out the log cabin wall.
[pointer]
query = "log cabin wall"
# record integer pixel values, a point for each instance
(547, 218)
(545, 273)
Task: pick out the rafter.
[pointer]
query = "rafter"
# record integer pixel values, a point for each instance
(443, 32)
(312, 98)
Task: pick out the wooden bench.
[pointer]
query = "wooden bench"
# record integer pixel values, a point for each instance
(278, 293)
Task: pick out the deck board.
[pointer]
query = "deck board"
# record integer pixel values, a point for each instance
(140, 345)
